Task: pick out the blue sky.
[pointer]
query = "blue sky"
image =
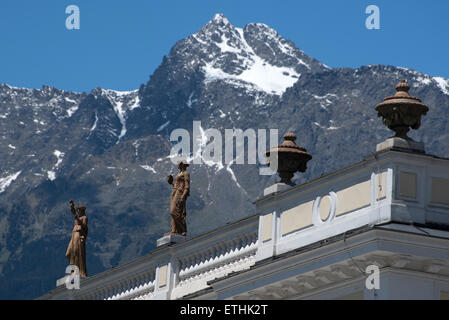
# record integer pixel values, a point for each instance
(120, 43)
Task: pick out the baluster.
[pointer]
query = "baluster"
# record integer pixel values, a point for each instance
(104, 293)
(117, 289)
(108, 292)
(121, 284)
(226, 248)
(232, 246)
(197, 259)
(209, 255)
(223, 248)
(120, 289)
(189, 263)
(243, 241)
(145, 278)
(134, 282)
(139, 280)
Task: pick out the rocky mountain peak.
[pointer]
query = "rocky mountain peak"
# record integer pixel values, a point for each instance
(220, 19)
(244, 56)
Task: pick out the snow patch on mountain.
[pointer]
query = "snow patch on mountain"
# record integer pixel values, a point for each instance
(443, 84)
(324, 100)
(269, 78)
(324, 127)
(191, 101)
(71, 111)
(94, 126)
(163, 126)
(51, 174)
(59, 155)
(117, 104)
(135, 103)
(222, 114)
(148, 168)
(270, 36)
(5, 182)
(422, 79)
(233, 177)
(224, 47)
(249, 67)
(203, 140)
(122, 102)
(70, 100)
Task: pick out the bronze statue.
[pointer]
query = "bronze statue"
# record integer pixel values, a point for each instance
(76, 251)
(181, 190)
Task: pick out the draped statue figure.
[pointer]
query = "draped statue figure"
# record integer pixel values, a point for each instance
(181, 190)
(76, 250)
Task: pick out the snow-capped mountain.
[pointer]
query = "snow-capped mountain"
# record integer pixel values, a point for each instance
(110, 150)
(255, 57)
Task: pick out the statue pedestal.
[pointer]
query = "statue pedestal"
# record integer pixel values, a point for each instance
(401, 144)
(277, 187)
(170, 239)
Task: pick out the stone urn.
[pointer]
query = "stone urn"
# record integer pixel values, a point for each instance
(401, 111)
(290, 158)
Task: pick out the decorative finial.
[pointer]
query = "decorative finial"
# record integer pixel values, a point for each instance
(290, 136)
(402, 86)
(401, 111)
(290, 158)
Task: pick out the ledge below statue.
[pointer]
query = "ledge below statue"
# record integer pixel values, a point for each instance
(277, 187)
(401, 144)
(170, 239)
